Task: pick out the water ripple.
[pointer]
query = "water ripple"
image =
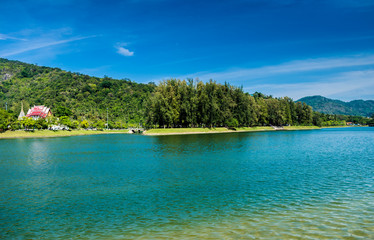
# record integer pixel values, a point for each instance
(274, 185)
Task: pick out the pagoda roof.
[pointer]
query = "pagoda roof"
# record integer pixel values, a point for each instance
(38, 111)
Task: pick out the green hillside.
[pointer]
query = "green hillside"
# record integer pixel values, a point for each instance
(75, 97)
(331, 106)
(88, 97)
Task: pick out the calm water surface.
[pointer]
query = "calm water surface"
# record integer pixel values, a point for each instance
(268, 185)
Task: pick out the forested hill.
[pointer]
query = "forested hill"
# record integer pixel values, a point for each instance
(86, 96)
(173, 103)
(331, 106)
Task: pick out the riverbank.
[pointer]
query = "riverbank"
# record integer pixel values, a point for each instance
(50, 133)
(180, 131)
(151, 132)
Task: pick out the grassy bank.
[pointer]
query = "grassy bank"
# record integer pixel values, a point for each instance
(339, 126)
(158, 131)
(254, 129)
(49, 133)
(167, 131)
(301, 127)
(177, 131)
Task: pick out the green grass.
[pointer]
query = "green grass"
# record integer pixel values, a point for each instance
(184, 130)
(336, 126)
(254, 129)
(167, 131)
(49, 133)
(170, 131)
(300, 127)
(157, 131)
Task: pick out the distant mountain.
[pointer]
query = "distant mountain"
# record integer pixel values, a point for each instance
(332, 106)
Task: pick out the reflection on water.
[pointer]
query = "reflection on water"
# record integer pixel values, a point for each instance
(271, 185)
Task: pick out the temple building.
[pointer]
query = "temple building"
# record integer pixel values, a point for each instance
(22, 113)
(38, 112)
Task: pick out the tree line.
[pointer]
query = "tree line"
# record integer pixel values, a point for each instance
(81, 101)
(189, 103)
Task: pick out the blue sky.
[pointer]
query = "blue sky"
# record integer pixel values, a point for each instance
(292, 48)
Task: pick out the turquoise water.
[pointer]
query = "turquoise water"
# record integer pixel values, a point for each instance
(315, 184)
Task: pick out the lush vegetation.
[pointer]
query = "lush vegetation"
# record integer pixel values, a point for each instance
(9, 121)
(81, 97)
(82, 101)
(330, 106)
(327, 120)
(177, 103)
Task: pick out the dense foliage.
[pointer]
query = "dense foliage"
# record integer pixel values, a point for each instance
(82, 101)
(331, 106)
(72, 94)
(5, 120)
(327, 120)
(9, 121)
(177, 103)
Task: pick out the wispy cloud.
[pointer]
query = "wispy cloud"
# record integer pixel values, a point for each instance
(37, 44)
(6, 37)
(123, 51)
(346, 86)
(331, 77)
(298, 66)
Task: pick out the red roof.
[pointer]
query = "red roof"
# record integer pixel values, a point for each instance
(38, 111)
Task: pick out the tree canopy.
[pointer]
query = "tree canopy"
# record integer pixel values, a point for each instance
(177, 103)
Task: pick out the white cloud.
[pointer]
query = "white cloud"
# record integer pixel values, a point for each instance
(343, 79)
(125, 52)
(3, 37)
(36, 44)
(345, 86)
(297, 66)
(6, 37)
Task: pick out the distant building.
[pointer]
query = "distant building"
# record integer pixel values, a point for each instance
(349, 123)
(22, 113)
(39, 112)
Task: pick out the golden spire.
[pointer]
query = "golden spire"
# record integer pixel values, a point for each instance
(22, 113)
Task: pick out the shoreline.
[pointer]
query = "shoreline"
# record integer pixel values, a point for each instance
(187, 131)
(19, 134)
(50, 134)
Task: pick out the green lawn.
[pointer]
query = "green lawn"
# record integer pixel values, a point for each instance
(157, 131)
(166, 131)
(170, 131)
(184, 130)
(254, 129)
(338, 126)
(49, 133)
(301, 127)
